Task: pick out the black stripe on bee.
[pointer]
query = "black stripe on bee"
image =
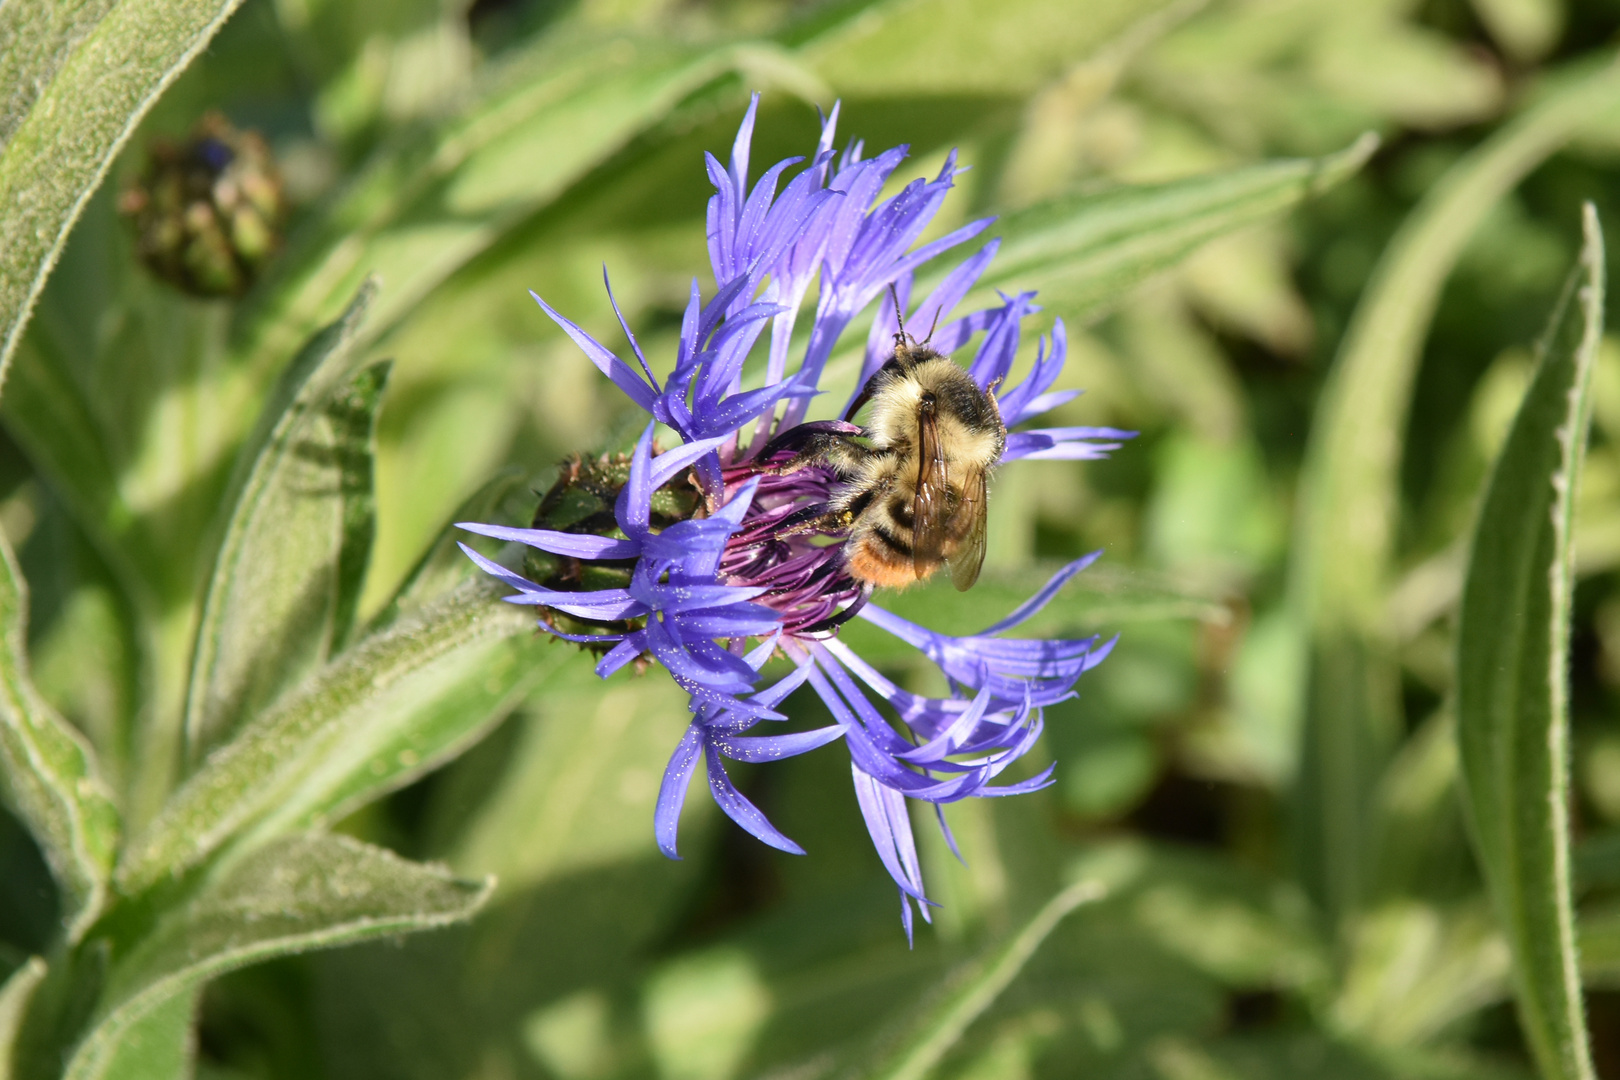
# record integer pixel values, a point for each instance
(968, 404)
(893, 542)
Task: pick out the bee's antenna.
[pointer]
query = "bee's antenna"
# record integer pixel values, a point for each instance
(932, 326)
(899, 316)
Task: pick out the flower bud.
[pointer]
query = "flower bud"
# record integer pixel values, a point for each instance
(207, 213)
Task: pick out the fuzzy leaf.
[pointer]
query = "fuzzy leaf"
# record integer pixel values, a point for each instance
(74, 86)
(437, 712)
(278, 752)
(158, 1045)
(432, 717)
(284, 585)
(47, 769)
(296, 893)
(1513, 671)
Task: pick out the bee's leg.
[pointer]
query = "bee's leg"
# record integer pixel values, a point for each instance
(826, 444)
(822, 517)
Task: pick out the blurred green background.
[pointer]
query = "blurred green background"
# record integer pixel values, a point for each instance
(471, 153)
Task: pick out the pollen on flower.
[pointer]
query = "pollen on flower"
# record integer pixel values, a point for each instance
(721, 552)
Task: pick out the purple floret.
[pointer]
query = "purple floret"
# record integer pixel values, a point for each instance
(713, 598)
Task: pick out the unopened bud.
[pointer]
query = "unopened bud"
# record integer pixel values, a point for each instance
(207, 213)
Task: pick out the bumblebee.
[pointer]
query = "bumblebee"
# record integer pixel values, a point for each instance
(914, 488)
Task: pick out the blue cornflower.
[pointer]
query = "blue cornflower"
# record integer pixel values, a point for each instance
(696, 587)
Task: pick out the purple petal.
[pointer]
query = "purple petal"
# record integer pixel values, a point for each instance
(635, 346)
(670, 462)
(890, 829)
(633, 508)
(1039, 446)
(758, 748)
(579, 545)
(1043, 596)
(672, 792)
(583, 639)
(599, 604)
(621, 654)
(947, 742)
(623, 376)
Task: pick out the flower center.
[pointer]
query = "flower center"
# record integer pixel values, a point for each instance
(801, 570)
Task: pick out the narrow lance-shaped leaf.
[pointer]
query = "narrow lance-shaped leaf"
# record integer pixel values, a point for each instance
(1083, 252)
(1349, 492)
(282, 748)
(74, 88)
(47, 770)
(971, 991)
(1513, 672)
(288, 573)
(296, 893)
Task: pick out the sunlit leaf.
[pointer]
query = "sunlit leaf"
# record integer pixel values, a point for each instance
(48, 770)
(74, 87)
(158, 1045)
(296, 893)
(960, 47)
(282, 748)
(1512, 673)
(282, 594)
(436, 715)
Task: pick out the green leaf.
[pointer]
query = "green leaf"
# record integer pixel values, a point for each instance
(1415, 969)
(15, 994)
(437, 712)
(1085, 251)
(48, 771)
(74, 88)
(1345, 528)
(968, 993)
(278, 752)
(296, 893)
(282, 594)
(159, 1045)
(434, 715)
(1513, 670)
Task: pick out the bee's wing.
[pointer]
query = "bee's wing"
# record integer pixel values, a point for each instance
(969, 554)
(931, 511)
